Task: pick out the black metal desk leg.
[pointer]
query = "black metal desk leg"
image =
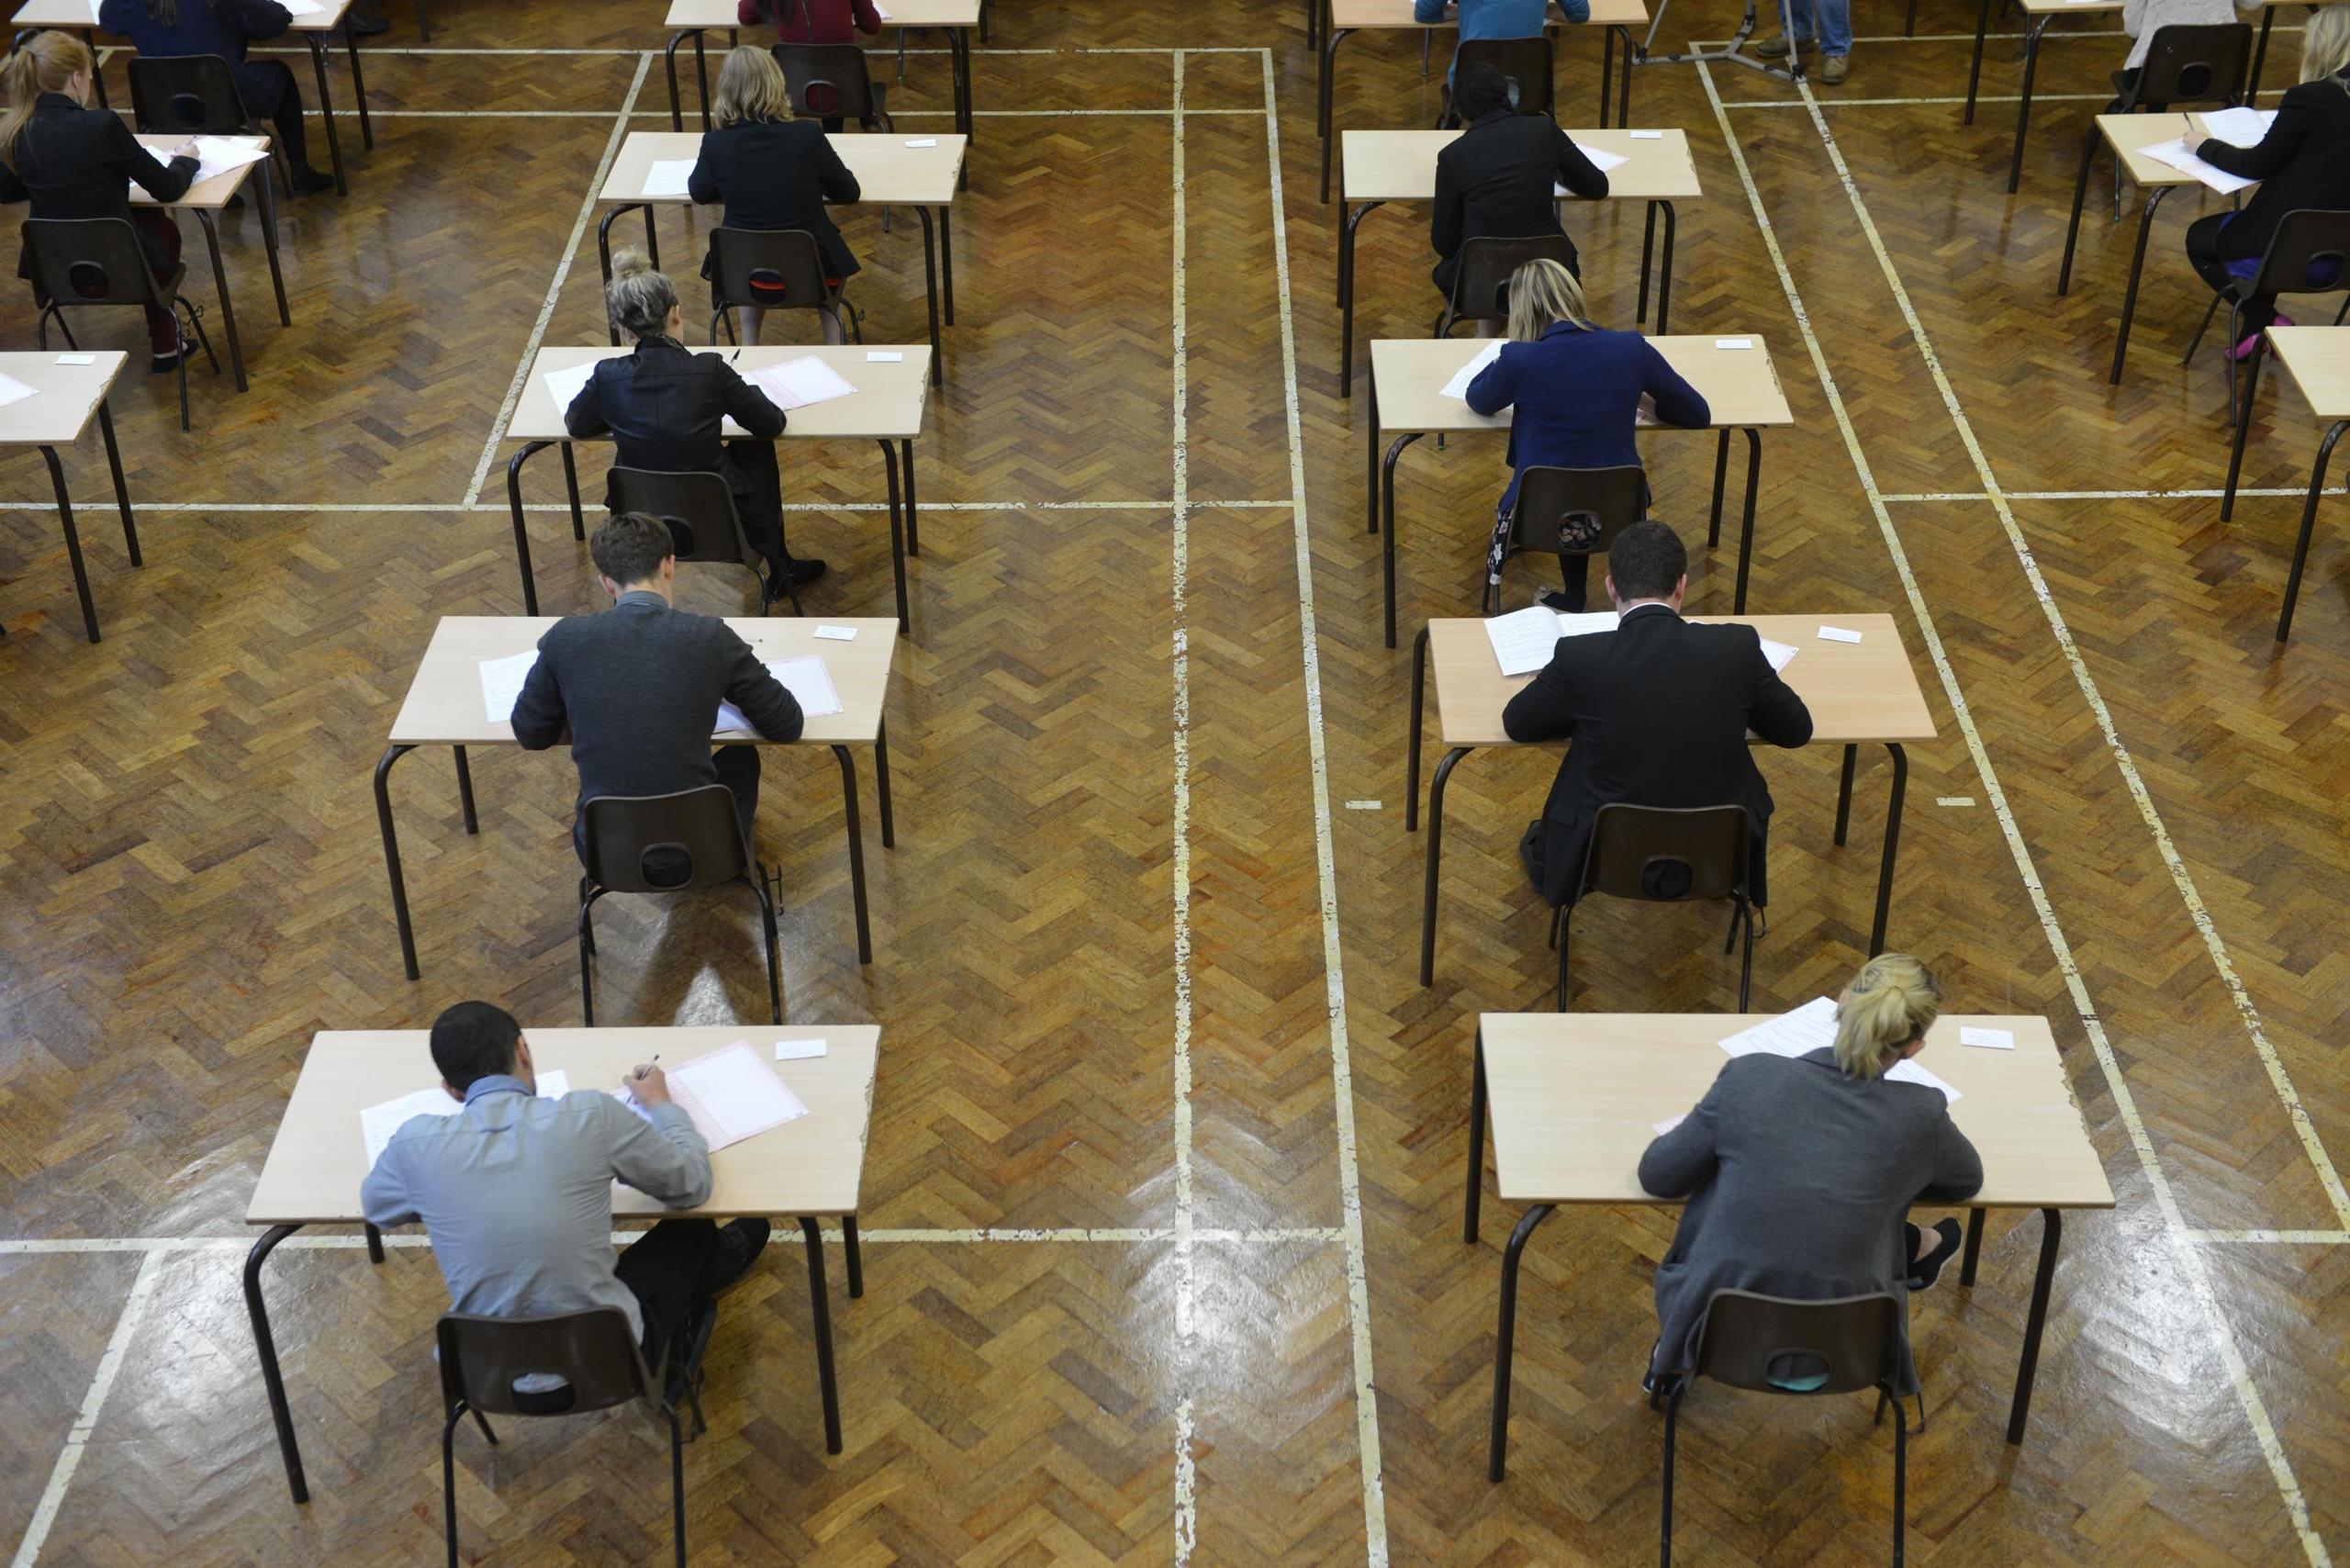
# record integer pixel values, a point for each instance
(1664, 273)
(855, 1257)
(2023, 104)
(265, 1348)
(651, 239)
(1476, 1189)
(676, 104)
(1973, 1253)
(1329, 112)
(72, 542)
(856, 854)
(571, 490)
(897, 534)
(1505, 1336)
(882, 780)
(823, 1307)
(375, 1245)
(522, 534)
(1975, 70)
(2251, 379)
(1648, 255)
(2130, 297)
(98, 70)
(358, 86)
(1606, 71)
(1721, 474)
(1892, 845)
(930, 286)
(2259, 56)
(1387, 525)
(326, 110)
(2052, 1232)
(947, 261)
(1624, 88)
(701, 75)
(2292, 582)
(1436, 849)
(392, 853)
(1746, 527)
(266, 189)
(228, 310)
(1350, 219)
(465, 791)
(121, 490)
(914, 514)
(2080, 200)
(1412, 751)
(1844, 794)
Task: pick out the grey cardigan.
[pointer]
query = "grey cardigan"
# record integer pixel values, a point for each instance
(1797, 1179)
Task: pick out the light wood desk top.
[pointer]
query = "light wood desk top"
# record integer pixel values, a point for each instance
(888, 404)
(2096, 8)
(444, 704)
(811, 1166)
(66, 396)
(894, 14)
(888, 170)
(1862, 691)
(2128, 135)
(1407, 376)
(205, 196)
(1399, 165)
(84, 14)
(1349, 15)
(2317, 357)
(1575, 1098)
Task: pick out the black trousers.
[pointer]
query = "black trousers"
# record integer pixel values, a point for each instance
(757, 484)
(285, 115)
(738, 769)
(671, 1269)
(2208, 251)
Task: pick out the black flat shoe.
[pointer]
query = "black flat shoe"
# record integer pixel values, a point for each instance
(310, 181)
(164, 363)
(799, 571)
(1928, 1269)
(367, 27)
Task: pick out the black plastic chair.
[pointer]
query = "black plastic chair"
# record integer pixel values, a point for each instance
(774, 269)
(190, 94)
(1854, 1342)
(699, 510)
(669, 844)
(98, 261)
(1665, 855)
(569, 1363)
(1481, 280)
(830, 81)
(2202, 63)
(2310, 253)
(1526, 64)
(1571, 511)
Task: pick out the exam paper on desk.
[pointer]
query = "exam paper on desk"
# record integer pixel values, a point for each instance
(2181, 157)
(810, 683)
(564, 386)
(220, 154)
(15, 391)
(730, 1095)
(501, 684)
(2239, 126)
(668, 176)
(1459, 386)
(796, 383)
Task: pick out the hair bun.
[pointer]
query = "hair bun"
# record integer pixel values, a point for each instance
(630, 264)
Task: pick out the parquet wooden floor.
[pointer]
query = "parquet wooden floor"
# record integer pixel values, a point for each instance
(1164, 1262)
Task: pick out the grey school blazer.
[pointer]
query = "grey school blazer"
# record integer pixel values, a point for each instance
(1797, 1179)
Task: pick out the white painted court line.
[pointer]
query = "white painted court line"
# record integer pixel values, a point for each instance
(1342, 1081)
(2280, 1079)
(554, 288)
(1187, 1507)
(2191, 1264)
(52, 1496)
(2281, 1238)
(348, 1241)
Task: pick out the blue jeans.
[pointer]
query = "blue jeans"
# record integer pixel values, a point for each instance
(1834, 31)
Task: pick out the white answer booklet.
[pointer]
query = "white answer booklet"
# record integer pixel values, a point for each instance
(810, 683)
(796, 383)
(731, 1094)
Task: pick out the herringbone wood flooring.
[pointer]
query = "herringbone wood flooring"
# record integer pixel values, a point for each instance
(190, 883)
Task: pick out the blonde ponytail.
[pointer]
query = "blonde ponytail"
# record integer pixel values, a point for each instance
(1542, 294)
(639, 299)
(44, 63)
(1890, 1003)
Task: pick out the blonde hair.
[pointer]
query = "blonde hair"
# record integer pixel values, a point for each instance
(1890, 1003)
(2325, 42)
(639, 299)
(750, 88)
(1542, 291)
(44, 63)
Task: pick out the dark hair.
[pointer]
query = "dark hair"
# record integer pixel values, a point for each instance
(1647, 561)
(474, 1039)
(630, 548)
(1479, 90)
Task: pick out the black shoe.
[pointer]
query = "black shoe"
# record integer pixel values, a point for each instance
(799, 572)
(164, 363)
(1928, 1269)
(310, 181)
(739, 1242)
(1554, 599)
(367, 27)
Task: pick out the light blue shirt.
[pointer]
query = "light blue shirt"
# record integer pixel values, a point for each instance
(516, 1193)
(1501, 19)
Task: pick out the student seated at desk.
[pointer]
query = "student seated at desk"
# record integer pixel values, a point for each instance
(1657, 711)
(2304, 161)
(812, 21)
(1499, 177)
(637, 688)
(1799, 1173)
(71, 161)
(667, 406)
(516, 1192)
(1498, 18)
(226, 29)
(2140, 19)
(1575, 395)
(771, 171)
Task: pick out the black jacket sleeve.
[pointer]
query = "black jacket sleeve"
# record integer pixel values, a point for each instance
(2283, 143)
(1444, 224)
(1777, 714)
(839, 185)
(12, 188)
(161, 181)
(764, 700)
(539, 718)
(747, 406)
(1543, 711)
(585, 417)
(1577, 172)
(256, 18)
(1958, 1170)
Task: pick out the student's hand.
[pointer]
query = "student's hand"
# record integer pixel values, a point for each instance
(186, 150)
(649, 1085)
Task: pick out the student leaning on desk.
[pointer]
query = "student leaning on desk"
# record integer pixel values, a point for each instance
(1499, 178)
(227, 29)
(1799, 1173)
(516, 1193)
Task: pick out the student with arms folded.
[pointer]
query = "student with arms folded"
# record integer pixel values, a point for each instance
(1799, 1173)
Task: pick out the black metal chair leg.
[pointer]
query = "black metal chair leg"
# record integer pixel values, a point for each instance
(1900, 1481)
(677, 1483)
(1746, 524)
(587, 950)
(449, 1476)
(1972, 1254)
(1672, 1420)
(1566, 931)
(1505, 1338)
(774, 965)
(1746, 965)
